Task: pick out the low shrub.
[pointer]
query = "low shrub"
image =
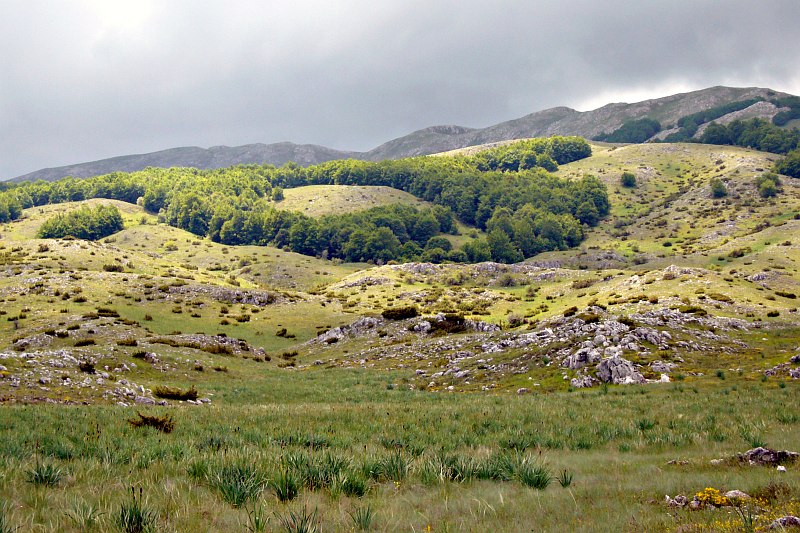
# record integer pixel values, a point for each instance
(165, 423)
(175, 393)
(400, 313)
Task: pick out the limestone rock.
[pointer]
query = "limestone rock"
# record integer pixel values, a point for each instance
(784, 522)
(584, 382)
(581, 358)
(767, 456)
(662, 367)
(618, 370)
(679, 501)
(737, 495)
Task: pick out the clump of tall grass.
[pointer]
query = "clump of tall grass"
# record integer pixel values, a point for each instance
(362, 518)
(257, 519)
(85, 516)
(303, 521)
(456, 468)
(238, 483)
(350, 483)
(45, 474)
(533, 474)
(286, 485)
(134, 516)
(392, 467)
(565, 478)
(498, 467)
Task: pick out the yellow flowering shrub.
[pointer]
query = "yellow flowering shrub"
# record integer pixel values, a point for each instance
(712, 496)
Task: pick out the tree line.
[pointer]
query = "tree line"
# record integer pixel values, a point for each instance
(753, 133)
(507, 191)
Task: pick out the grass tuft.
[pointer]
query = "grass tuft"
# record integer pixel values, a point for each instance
(286, 485)
(238, 483)
(303, 521)
(45, 474)
(362, 518)
(534, 475)
(134, 516)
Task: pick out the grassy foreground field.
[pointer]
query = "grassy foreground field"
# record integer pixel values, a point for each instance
(416, 461)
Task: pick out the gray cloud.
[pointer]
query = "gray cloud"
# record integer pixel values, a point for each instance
(83, 80)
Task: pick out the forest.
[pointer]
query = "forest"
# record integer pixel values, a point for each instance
(508, 191)
(86, 223)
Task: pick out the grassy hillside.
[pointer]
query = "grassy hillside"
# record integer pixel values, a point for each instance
(319, 200)
(470, 416)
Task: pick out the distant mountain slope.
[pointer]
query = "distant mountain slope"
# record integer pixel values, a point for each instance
(435, 139)
(193, 156)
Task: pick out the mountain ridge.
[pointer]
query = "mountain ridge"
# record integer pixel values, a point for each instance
(559, 120)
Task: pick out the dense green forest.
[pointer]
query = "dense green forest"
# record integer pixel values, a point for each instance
(761, 135)
(790, 165)
(754, 133)
(507, 191)
(783, 118)
(632, 131)
(84, 223)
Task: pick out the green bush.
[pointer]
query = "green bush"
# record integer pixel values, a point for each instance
(400, 313)
(718, 188)
(628, 180)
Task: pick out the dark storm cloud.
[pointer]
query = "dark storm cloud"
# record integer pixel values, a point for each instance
(82, 80)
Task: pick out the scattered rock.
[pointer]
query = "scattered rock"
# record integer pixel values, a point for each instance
(523, 390)
(143, 400)
(584, 382)
(581, 358)
(618, 371)
(662, 367)
(784, 522)
(422, 326)
(767, 456)
(679, 501)
(737, 495)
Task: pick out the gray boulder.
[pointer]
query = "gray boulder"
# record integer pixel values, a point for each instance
(767, 456)
(618, 371)
(581, 358)
(784, 522)
(661, 367)
(584, 382)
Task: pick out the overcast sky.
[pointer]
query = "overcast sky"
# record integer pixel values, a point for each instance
(87, 79)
